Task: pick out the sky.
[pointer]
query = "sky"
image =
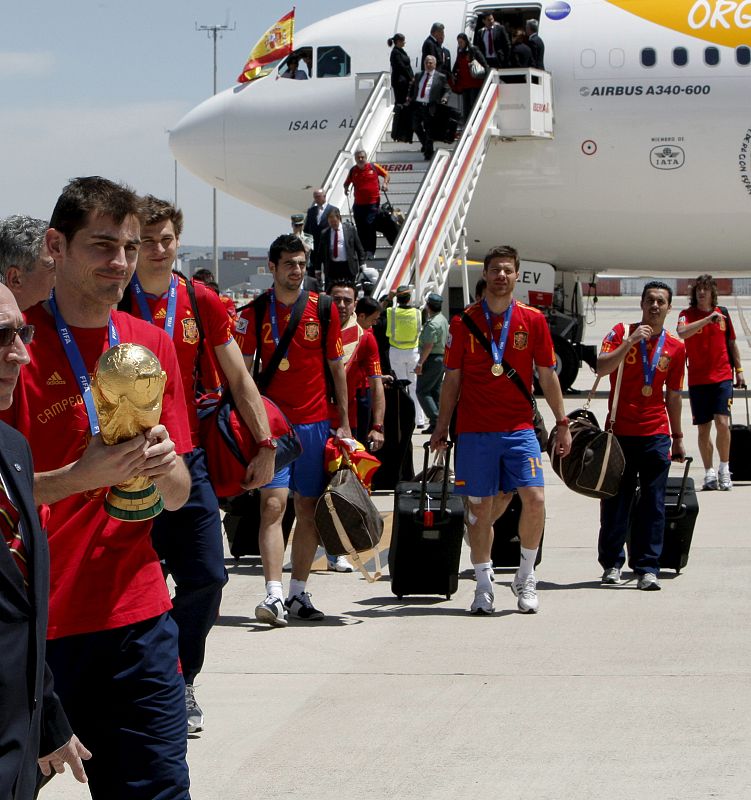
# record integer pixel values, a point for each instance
(92, 88)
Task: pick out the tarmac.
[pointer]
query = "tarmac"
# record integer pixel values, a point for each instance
(605, 693)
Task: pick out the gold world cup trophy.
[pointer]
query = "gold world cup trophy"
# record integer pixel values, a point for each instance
(127, 389)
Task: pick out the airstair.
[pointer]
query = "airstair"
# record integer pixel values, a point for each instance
(435, 196)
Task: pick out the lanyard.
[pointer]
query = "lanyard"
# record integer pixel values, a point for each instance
(649, 369)
(169, 322)
(73, 354)
(275, 321)
(498, 349)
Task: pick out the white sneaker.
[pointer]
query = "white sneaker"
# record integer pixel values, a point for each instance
(710, 481)
(526, 592)
(482, 605)
(723, 480)
(611, 577)
(339, 564)
(648, 582)
(193, 710)
(272, 610)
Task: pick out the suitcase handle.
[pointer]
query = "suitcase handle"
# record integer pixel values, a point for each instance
(424, 481)
(679, 502)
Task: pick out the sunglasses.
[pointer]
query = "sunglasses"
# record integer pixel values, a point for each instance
(8, 335)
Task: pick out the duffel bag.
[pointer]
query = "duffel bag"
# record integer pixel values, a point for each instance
(347, 521)
(230, 446)
(594, 466)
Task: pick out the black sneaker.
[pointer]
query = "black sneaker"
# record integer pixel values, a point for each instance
(300, 606)
(193, 710)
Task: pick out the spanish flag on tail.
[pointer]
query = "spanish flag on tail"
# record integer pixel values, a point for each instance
(276, 43)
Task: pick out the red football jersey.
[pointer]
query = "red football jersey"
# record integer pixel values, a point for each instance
(636, 414)
(362, 362)
(217, 330)
(494, 404)
(299, 391)
(366, 183)
(707, 350)
(103, 573)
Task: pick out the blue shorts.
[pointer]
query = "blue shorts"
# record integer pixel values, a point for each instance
(307, 474)
(709, 399)
(489, 462)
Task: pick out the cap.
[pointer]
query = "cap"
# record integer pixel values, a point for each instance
(298, 219)
(435, 299)
(403, 290)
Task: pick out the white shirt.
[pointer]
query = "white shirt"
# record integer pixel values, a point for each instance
(426, 82)
(341, 253)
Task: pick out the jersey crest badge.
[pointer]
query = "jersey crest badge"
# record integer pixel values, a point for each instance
(520, 340)
(312, 331)
(663, 363)
(190, 331)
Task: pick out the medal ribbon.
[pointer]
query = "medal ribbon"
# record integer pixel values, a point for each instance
(73, 354)
(649, 369)
(273, 318)
(498, 349)
(143, 305)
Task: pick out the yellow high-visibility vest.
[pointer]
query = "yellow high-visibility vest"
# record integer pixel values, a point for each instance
(403, 327)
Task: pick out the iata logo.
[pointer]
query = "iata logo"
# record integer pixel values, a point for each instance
(667, 157)
(723, 22)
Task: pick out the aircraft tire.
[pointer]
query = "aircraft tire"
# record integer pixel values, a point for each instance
(567, 363)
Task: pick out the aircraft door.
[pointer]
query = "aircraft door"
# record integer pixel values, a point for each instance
(415, 19)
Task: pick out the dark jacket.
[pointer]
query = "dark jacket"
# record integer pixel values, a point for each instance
(312, 226)
(355, 253)
(501, 43)
(32, 721)
(438, 89)
(401, 72)
(521, 56)
(538, 51)
(430, 47)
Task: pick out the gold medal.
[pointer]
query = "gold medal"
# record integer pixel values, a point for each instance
(284, 365)
(646, 391)
(497, 370)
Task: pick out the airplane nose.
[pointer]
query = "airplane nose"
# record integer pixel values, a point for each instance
(198, 143)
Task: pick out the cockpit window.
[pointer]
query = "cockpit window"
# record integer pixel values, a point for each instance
(333, 62)
(298, 65)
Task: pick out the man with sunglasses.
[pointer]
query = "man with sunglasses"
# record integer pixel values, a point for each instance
(25, 729)
(26, 267)
(112, 645)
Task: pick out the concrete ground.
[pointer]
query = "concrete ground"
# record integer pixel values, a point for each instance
(606, 693)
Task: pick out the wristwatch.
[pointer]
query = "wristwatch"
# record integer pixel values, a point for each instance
(563, 423)
(377, 428)
(269, 442)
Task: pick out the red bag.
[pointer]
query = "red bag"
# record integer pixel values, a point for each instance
(230, 446)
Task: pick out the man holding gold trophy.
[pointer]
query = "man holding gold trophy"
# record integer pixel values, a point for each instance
(112, 645)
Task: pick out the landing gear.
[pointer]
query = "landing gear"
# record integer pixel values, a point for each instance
(566, 365)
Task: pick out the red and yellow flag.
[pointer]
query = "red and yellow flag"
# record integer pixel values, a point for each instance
(276, 43)
(365, 464)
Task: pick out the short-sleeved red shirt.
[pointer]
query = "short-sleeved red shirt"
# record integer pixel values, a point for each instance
(217, 330)
(299, 391)
(366, 183)
(362, 364)
(104, 573)
(637, 415)
(707, 350)
(494, 404)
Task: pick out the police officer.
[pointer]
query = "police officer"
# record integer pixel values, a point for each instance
(429, 370)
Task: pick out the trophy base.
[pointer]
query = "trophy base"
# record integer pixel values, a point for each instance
(133, 506)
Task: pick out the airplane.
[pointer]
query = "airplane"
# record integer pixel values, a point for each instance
(648, 170)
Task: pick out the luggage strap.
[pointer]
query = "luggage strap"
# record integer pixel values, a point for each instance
(348, 546)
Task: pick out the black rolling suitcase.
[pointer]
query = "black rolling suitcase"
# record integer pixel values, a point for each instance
(401, 127)
(506, 550)
(426, 539)
(681, 510)
(398, 425)
(740, 448)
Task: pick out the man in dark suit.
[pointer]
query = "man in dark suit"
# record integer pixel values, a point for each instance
(433, 46)
(341, 252)
(536, 45)
(493, 40)
(316, 219)
(28, 726)
(430, 92)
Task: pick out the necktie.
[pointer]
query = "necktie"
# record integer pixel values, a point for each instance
(336, 242)
(9, 521)
(489, 41)
(424, 85)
